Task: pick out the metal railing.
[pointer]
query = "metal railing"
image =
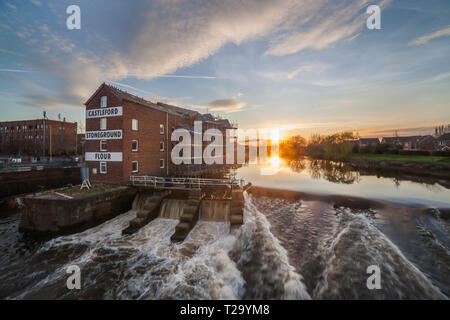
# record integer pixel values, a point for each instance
(168, 182)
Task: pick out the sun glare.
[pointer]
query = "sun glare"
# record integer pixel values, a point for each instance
(275, 135)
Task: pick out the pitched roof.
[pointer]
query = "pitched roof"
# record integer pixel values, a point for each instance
(123, 95)
(369, 140)
(175, 109)
(401, 139)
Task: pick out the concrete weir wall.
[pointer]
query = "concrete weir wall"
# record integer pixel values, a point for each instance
(48, 216)
(14, 183)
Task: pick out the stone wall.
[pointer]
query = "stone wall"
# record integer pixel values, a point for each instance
(14, 183)
(46, 216)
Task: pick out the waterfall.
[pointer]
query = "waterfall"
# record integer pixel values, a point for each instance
(172, 208)
(215, 210)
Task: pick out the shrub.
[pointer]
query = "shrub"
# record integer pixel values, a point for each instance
(414, 153)
(441, 153)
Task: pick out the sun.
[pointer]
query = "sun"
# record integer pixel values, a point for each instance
(275, 135)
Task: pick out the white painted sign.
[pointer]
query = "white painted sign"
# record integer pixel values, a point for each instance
(104, 112)
(103, 156)
(104, 135)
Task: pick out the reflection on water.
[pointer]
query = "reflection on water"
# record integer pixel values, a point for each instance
(338, 178)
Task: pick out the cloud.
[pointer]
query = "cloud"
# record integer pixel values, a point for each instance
(12, 53)
(178, 34)
(438, 34)
(299, 70)
(223, 105)
(439, 77)
(13, 70)
(36, 2)
(131, 87)
(11, 6)
(327, 23)
(168, 35)
(186, 76)
(400, 131)
(49, 102)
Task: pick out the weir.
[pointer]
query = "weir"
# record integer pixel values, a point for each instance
(187, 200)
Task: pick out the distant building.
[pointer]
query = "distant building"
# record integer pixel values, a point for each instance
(127, 135)
(407, 143)
(38, 137)
(427, 143)
(367, 142)
(444, 142)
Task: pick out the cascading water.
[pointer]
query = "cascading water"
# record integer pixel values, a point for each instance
(284, 250)
(215, 210)
(172, 208)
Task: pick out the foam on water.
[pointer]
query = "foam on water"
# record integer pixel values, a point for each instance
(358, 244)
(214, 262)
(263, 261)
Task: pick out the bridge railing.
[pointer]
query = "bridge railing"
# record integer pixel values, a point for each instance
(152, 181)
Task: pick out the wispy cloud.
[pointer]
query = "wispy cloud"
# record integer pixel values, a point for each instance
(152, 96)
(131, 87)
(320, 25)
(49, 102)
(424, 39)
(186, 77)
(12, 53)
(439, 77)
(400, 131)
(11, 6)
(36, 2)
(14, 70)
(223, 105)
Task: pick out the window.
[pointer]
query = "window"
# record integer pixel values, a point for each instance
(102, 145)
(103, 101)
(134, 125)
(135, 166)
(161, 129)
(103, 168)
(161, 146)
(134, 145)
(161, 163)
(103, 124)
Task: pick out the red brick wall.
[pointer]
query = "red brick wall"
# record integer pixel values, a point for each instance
(25, 142)
(114, 171)
(148, 137)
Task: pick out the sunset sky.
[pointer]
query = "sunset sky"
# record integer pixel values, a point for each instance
(307, 66)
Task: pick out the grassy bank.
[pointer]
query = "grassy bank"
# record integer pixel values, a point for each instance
(396, 157)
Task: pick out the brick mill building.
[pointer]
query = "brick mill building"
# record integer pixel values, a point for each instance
(127, 135)
(38, 137)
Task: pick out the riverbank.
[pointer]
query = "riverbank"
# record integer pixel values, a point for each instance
(429, 166)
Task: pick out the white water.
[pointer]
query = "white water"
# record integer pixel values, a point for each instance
(247, 262)
(358, 244)
(147, 265)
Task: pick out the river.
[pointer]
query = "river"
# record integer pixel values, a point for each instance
(286, 248)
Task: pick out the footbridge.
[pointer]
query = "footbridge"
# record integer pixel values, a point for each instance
(182, 183)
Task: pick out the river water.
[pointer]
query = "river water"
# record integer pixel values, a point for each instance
(286, 249)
